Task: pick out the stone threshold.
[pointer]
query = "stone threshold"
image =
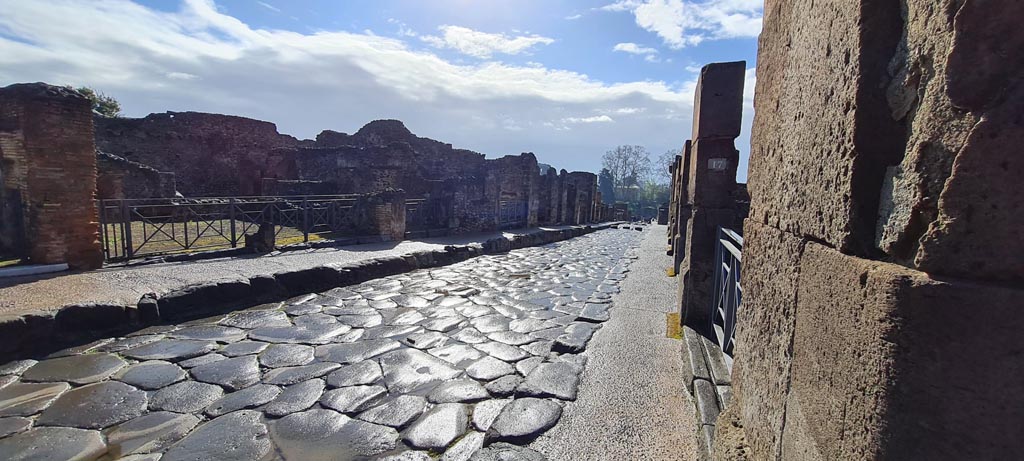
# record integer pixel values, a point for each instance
(708, 381)
(37, 333)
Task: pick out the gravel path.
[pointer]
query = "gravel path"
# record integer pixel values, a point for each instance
(632, 403)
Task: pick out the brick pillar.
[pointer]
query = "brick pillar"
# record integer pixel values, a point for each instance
(711, 178)
(49, 159)
(382, 213)
(883, 277)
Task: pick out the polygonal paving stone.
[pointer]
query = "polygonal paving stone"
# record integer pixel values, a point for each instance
(309, 334)
(13, 425)
(529, 325)
(411, 301)
(53, 443)
(524, 419)
(406, 317)
(575, 338)
(391, 331)
(185, 397)
(470, 336)
(76, 369)
(201, 360)
(408, 369)
(511, 338)
(95, 406)
(359, 320)
(25, 399)
(549, 334)
(249, 397)
(396, 412)
(210, 333)
(170, 349)
(456, 354)
(507, 452)
(502, 351)
(524, 367)
(256, 319)
(504, 386)
(327, 435)
(151, 375)
(489, 368)
(303, 309)
(353, 398)
(16, 367)
(438, 427)
(464, 448)
(291, 375)
(233, 374)
(240, 436)
(365, 372)
(443, 324)
(484, 413)
(149, 433)
(243, 348)
(425, 340)
(295, 398)
(286, 355)
(558, 380)
(355, 352)
(595, 313)
(458, 391)
(490, 323)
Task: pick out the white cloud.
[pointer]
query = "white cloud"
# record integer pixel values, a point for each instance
(482, 44)
(682, 23)
(593, 119)
(308, 82)
(633, 48)
(574, 17)
(269, 7)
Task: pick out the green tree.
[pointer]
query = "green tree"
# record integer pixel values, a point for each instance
(102, 104)
(629, 166)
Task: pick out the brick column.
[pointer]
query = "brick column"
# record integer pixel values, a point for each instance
(49, 163)
(711, 178)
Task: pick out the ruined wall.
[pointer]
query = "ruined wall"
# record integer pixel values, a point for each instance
(48, 175)
(210, 154)
(882, 273)
(583, 189)
(120, 178)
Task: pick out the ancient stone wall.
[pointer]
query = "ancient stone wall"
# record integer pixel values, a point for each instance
(210, 154)
(882, 275)
(48, 176)
(120, 178)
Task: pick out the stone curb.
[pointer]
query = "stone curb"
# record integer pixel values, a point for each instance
(41, 332)
(708, 381)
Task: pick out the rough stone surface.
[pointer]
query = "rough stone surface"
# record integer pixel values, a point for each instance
(438, 427)
(286, 355)
(524, 419)
(14, 425)
(484, 413)
(233, 374)
(408, 369)
(25, 399)
(149, 433)
(353, 399)
(237, 436)
(291, 375)
(56, 443)
(249, 397)
(397, 412)
(95, 406)
(365, 372)
(76, 369)
(458, 391)
(186, 397)
(558, 380)
(296, 398)
(170, 349)
(329, 435)
(151, 375)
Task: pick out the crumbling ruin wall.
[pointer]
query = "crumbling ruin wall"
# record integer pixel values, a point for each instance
(120, 178)
(210, 154)
(882, 275)
(48, 176)
(580, 195)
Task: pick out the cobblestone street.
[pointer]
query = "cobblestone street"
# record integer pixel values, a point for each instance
(433, 362)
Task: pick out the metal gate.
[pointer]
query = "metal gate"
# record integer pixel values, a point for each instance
(727, 291)
(512, 214)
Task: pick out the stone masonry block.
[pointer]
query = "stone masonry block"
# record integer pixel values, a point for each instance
(764, 333)
(889, 363)
(697, 266)
(823, 132)
(712, 173)
(718, 102)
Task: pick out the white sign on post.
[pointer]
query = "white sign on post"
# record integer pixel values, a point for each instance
(717, 164)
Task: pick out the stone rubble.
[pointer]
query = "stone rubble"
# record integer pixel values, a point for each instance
(458, 362)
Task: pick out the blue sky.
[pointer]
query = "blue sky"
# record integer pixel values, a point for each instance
(566, 80)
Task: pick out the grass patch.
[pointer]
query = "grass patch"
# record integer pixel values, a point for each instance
(673, 329)
(9, 262)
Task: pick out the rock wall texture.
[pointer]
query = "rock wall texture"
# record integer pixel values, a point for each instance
(881, 266)
(48, 176)
(120, 178)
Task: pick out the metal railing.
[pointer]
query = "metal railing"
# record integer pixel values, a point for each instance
(727, 294)
(513, 214)
(136, 228)
(426, 214)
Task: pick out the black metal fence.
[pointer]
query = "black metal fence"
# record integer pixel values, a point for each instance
(513, 214)
(135, 228)
(727, 291)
